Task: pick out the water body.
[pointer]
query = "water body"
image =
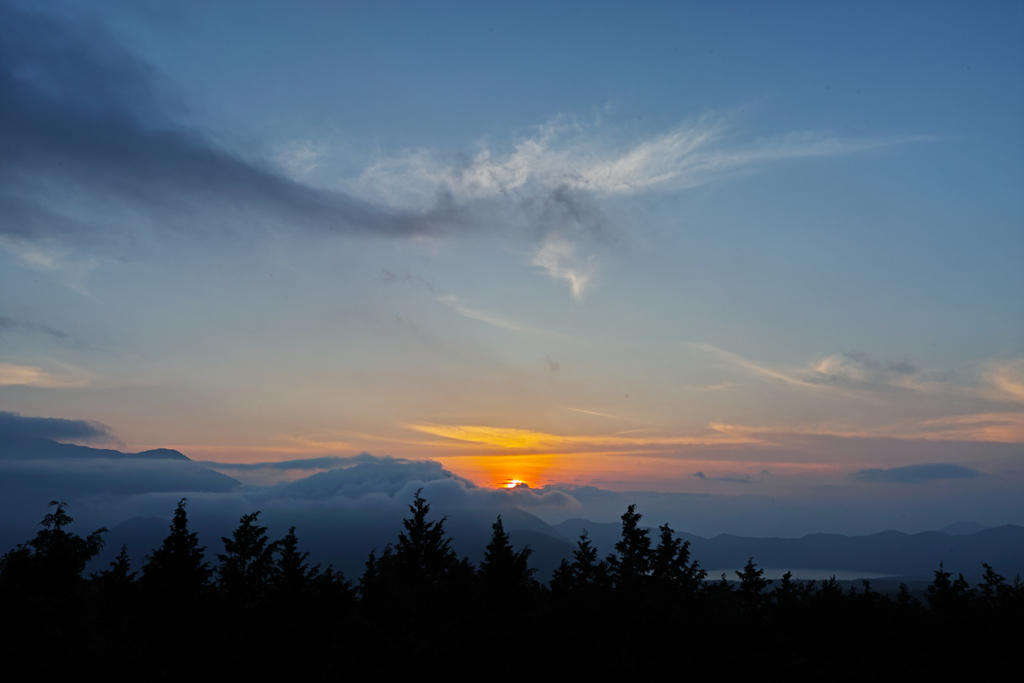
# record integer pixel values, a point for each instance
(776, 573)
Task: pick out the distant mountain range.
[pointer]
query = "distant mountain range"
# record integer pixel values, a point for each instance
(345, 537)
(35, 448)
(888, 552)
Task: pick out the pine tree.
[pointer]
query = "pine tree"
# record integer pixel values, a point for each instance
(55, 558)
(369, 582)
(117, 582)
(671, 566)
(587, 572)
(119, 571)
(904, 599)
(752, 585)
(664, 565)
(292, 574)
(247, 566)
(502, 568)
(634, 550)
(562, 578)
(945, 596)
(787, 593)
(422, 558)
(176, 569)
(993, 587)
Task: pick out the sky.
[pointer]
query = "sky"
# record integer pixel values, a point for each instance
(753, 254)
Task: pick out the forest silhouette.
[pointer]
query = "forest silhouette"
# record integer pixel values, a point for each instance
(419, 607)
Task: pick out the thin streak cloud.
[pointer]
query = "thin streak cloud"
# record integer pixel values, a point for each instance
(566, 153)
(455, 304)
(526, 439)
(592, 412)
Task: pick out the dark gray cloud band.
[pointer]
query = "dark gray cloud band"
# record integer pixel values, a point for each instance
(916, 474)
(86, 122)
(17, 426)
(328, 462)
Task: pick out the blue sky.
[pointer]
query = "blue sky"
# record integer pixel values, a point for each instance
(570, 243)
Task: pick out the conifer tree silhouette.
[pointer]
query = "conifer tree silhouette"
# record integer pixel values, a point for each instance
(634, 550)
(587, 572)
(292, 574)
(54, 558)
(117, 582)
(945, 596)
(422, 557)
(562, 579)
(904, 599)
(176, 569)
(664, 565)
(503, 568)
(423, 549)
(247, 566)
(993, 587)
(787, 592)
(670, 563)
(119, 571)
(752, 585)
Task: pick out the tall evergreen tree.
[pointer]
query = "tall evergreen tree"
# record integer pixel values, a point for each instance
(993, 587)
(53, 559)
(671, 566)
(587, 572)
(177, 569)
(119, 571)
(664, 564)
(634, 550)
(561, 579)
(117, 582)
(503, 568)
(292, 573)
(752, 586)
(945, 596)
(423, 556)
(247, 566)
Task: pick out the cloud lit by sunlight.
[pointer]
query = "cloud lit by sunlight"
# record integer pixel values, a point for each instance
(525, 439)
(557, 257)
(1008, 378)
(69, 377)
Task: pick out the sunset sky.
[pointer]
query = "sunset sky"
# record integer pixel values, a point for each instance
(737, 249)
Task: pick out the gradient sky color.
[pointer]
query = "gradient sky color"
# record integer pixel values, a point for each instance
(726, 248)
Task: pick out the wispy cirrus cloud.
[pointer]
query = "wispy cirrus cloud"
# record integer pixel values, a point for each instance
(567, 153)
(549, 183)
(1002, 427)
(456, 304)
(858, 371)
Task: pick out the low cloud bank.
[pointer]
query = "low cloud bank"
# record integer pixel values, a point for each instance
(916, 474)
(17, 426)
(327, 462)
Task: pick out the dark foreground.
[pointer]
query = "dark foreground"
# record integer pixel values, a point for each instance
(646, 610)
